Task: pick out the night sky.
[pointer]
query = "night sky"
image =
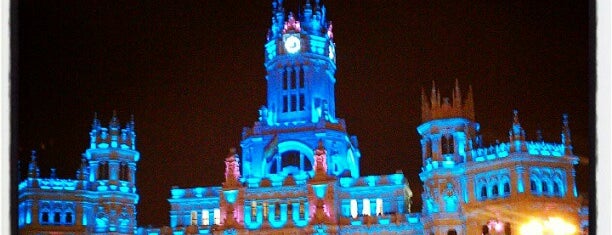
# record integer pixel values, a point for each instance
(191, 72)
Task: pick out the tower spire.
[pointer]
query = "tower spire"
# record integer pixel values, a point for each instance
(33, 171)
(566, 137)
(469, 104)
(457, 96)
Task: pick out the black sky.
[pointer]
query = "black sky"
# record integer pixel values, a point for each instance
(192, 74)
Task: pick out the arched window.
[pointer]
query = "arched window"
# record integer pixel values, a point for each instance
(483, 192)
(495, 191)
(253, 209)
(68, 217)
(205, 218)
(44, 218)
(354, 208)
(534, 186)
(217, 216)
(556, 190)
(379, 206)
(57, 217)
(544, 187)
(452, 232)
(506, 188)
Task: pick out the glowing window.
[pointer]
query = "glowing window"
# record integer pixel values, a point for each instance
(194, 218)
(302, 208)
(379, 206)
(265, 210)
(205, 218)
(217, 216)
(354, 208)
(253, 209)
(366, 207)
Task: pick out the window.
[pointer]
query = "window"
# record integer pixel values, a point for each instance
(285, 79)
(452, 232)
(556, 189)
(205, 218)
(265, 210)
(293, 102)
(379, 206)
(217, 216)
(495, 191)
(483, 192)
(285, 104)
(302, 212)
(253, 209)
(366, 207)
(194, 218)
(292, 80)
(544, 187)
(534, 186)
(301, 77)
(277, 210)
(448, 145)
(68, 217)
(302, 104)
(506, 188)
(354, 208)
(56, 217)
(44, 218)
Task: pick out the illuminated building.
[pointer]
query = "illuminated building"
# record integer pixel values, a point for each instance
(298, 171)
(101, 200)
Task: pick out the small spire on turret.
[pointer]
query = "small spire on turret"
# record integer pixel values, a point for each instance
(96, 123)
(53, 175)
(539, 135)
(33, 171)
(515, 119)
(433, 98)
(469, 104)
(114, 123)
(457, 95)
(566, 136)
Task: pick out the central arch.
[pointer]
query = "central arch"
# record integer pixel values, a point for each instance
(292, 148)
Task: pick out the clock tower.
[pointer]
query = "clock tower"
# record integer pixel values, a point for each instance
(300, 110)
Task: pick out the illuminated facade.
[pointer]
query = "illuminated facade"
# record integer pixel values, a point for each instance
(101, 200)
(298, 172)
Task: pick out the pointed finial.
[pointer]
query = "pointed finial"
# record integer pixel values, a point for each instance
(96, 123)
(515, 118)
(114, 123)
(539, 135)
(566, 136)
(457, 95)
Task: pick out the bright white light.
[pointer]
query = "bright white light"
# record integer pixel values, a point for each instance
(556, 226)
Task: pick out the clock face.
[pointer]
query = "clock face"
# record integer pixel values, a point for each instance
(292, 44)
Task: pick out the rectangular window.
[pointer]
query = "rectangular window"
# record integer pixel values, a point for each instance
(285, 104)
(194, 218)
(217, 216)
(293, 103)
(301, 77)
(292, 80)
(366, 207)
(354, 208)
(302, 104)
(379, 206)
(253, 209)
(205, 218)
(265, 210)
(285, 79)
